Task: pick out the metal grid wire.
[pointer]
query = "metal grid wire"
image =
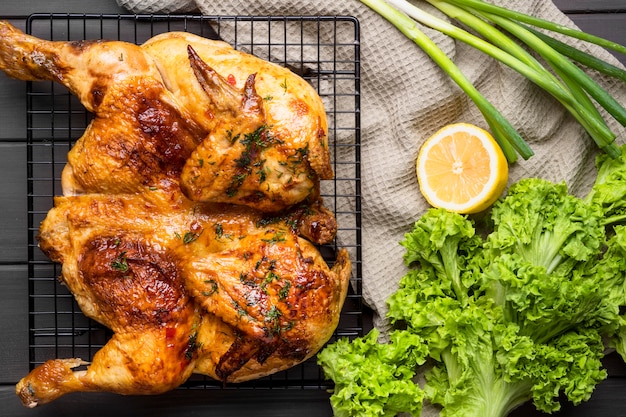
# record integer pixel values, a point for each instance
(323, 50)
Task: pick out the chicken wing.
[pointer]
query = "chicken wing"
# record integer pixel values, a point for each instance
(268, 145)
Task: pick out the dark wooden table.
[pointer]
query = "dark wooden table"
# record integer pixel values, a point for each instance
(606, 18)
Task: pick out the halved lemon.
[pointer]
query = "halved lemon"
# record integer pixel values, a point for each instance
(461, 168)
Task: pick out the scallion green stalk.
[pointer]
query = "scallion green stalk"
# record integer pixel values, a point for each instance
(581, 57)
(540, 23)
(579, 108)
(598, 129)
(564, 80)
(504, 133)
(492, 34)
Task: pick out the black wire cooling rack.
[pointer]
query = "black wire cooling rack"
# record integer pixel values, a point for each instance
(323, 50)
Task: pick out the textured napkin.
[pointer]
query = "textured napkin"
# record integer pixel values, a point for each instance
(406, 98)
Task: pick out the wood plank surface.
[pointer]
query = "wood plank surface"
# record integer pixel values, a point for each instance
(179, 403)
(13, 324)
(25, 7)
(603, 17)
(611, 26)
(589, 6)
(13, 106)
(13, 222)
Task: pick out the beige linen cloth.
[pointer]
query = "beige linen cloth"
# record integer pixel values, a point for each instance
(406, 98)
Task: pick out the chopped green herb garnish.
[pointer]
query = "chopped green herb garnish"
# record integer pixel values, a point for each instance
(269, 278)
(240, 310)
(232, 138)
(260, 262)
(262, 174)
(214, 288)
(272, 265)
(278, 237)
(273, 314)
(235, 183)
(192, 346)
(120, 263)
(272, 317)
(284, 291)
(190, 237)
(247, 281)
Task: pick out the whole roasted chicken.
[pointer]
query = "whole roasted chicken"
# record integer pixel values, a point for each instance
(190, 214)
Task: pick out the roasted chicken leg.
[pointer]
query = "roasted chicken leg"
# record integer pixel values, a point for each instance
(186, 288)
(140, 136)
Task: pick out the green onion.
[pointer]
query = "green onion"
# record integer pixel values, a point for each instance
(507, 137)
(558, 75)
(541, 23)
(571, 74)
(582, 57)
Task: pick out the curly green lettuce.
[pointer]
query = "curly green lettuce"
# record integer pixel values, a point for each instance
(498, 339)
(612, 265)
(545, 225)
(609, 189)
(518, 314)
(374, 379)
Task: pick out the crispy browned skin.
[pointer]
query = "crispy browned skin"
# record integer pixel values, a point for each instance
(262, 135)
(268, 144)
(127, 281)
(186, 288)
(232, 291)
(140, 135)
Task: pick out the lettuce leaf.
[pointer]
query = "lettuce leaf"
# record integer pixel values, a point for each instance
(374, 379)
(516, 314)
